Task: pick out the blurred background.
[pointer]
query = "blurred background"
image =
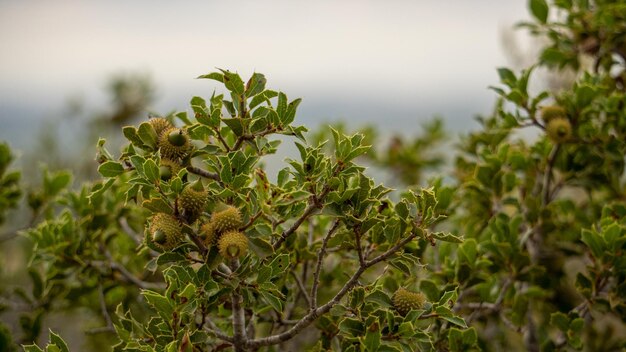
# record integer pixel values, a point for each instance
(391, 64)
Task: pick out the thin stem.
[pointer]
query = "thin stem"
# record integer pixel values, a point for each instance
(303, 290)
(359, 250)
(105, 314)
(547, 177)
(318, 265)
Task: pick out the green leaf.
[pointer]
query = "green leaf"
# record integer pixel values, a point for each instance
(446, 314)
(372, 338)
(236, 124)
(446, 237)
(148, 135)
(507, 76)
(273, 301)
(151, 170)
(233, 82)
(255, 85)
(559, 320)
(379, 297)
(110, 169)
(130, 132)
(58, 341)
(32, 348)
(214, 76)
(594, 241)
(157, 205)
(160, 303)
(539, 9)
(351, 327)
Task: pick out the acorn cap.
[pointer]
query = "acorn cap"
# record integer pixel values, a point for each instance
(208, 234)
(168, 168)
(227, 219)
(160, 124)
(193, 199)
(233, 244)
(404, 300)
(165, 231)
(177, 150)
(559, 130)
(548, 113)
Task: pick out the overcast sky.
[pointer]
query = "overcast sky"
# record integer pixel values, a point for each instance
(402, 59)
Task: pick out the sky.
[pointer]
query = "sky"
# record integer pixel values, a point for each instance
(392, 63)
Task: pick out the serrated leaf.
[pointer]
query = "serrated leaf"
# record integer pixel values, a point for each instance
(148, 135)
(58, 341)
(157, 205)
(446, 237)
(273, 301)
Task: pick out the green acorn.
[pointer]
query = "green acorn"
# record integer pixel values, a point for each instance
(233, 244)
(208, 234)
(559, 130)
(227, 219)
(174, 143)
(160, 124)
(404, 300)
(165, 231)
(168, 168)
(193, 200)
(548, 113)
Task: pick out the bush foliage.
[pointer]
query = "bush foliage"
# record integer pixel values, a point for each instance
(186, 244)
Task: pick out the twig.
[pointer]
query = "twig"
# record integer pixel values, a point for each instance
(200, 172)
(318, 265)
(303, 290)
(251, 222)
(213, 329)
(133, 279)
(547, 177)
(105, 314)
(359, 250)
(123, 222)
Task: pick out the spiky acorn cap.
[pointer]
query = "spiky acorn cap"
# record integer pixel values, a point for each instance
(559, 130)
(174, 143)
(404, 300)
(208, 234)
(227, 219)
(165, 231)
(548, 113)
(193, 199)
(168, 168)
(160, 124)
(233, 244)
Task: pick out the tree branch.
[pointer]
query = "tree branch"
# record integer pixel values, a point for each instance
(318, 265)
(239, 319)
(315, 313)
(200, 172)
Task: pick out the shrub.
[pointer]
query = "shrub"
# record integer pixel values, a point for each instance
(520, 248)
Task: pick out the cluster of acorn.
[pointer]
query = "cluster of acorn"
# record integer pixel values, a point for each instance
(558, 126)
(223, 231)
(174, 145)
